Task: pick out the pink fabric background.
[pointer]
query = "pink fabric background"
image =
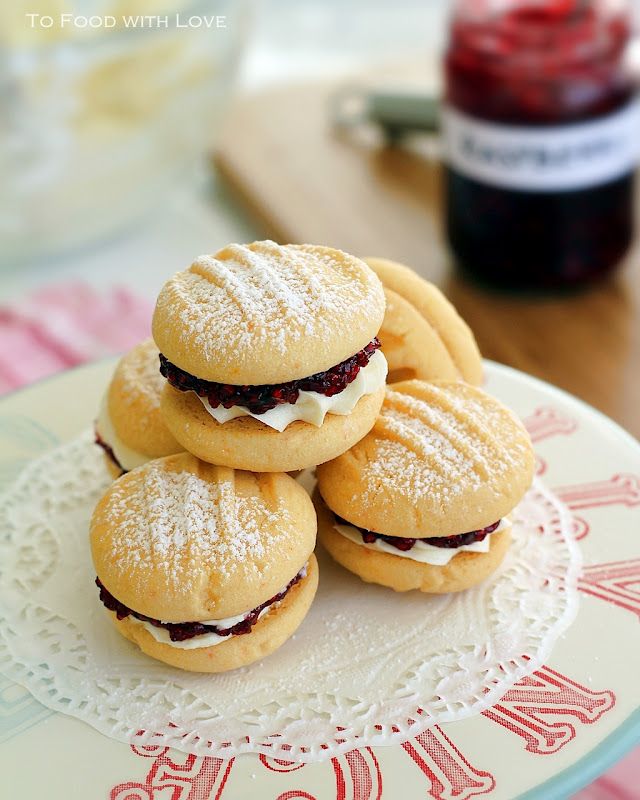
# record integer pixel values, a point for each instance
(62, 326)
(65, 325)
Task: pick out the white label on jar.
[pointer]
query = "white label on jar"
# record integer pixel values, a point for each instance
(550, 158)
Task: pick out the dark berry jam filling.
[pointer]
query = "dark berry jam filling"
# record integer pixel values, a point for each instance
(262, 398)
(109, 451)
(405, 543)
(180, 631)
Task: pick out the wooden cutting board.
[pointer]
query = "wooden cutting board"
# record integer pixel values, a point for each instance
(304, 183)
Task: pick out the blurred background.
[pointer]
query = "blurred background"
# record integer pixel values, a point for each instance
(137, 134)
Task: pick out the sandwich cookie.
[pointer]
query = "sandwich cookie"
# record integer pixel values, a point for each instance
(203, 567)
(271, 356)
(423, 501)
(423, 335)
(130, 427)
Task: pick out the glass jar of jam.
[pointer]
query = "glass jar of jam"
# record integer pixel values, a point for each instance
(542, 127)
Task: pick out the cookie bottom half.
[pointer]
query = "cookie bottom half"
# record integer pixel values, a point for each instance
(266, 636)
(403, 574)
(246, 443)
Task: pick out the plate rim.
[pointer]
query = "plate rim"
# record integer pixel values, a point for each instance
(619, 743)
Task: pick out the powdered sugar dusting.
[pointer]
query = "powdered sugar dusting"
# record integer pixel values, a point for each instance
(440, 449)
(265, 292)
(186, 527)
(140, 372)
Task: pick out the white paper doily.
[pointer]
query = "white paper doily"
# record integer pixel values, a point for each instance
(367, 667)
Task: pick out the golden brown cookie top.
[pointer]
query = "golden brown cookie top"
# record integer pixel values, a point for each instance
(443, 458)
(267, 313)
(180, 540)
(446, 324)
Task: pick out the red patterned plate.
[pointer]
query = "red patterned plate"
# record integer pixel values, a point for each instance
(548, 735)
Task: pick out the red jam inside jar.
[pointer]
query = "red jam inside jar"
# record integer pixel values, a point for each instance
(536, 195)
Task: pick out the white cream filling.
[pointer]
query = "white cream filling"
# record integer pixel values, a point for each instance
(313, 406)
(421, 551)
(128, 458)
(204, 639)
(209, 639)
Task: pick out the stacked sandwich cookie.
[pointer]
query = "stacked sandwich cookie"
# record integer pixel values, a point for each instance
(205, 568)
(270, 355)
(423, 501)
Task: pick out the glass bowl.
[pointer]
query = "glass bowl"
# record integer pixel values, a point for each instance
(99, 123)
